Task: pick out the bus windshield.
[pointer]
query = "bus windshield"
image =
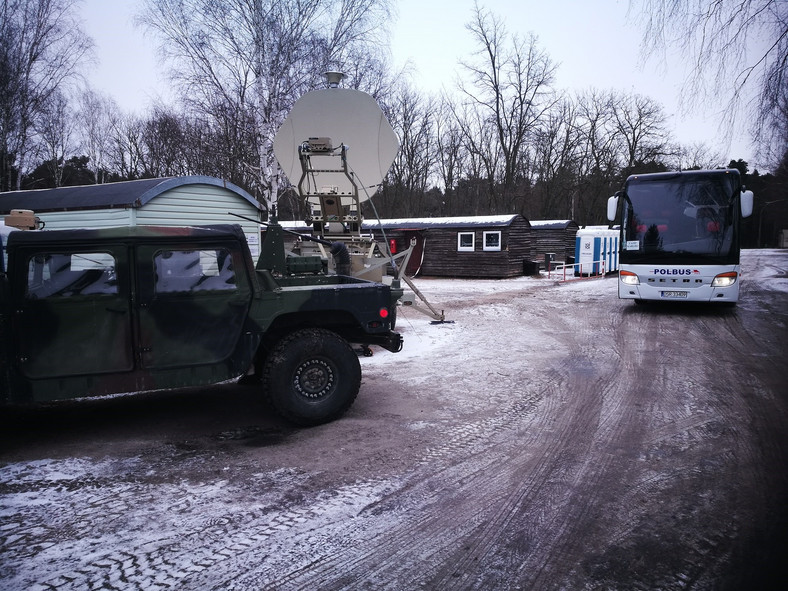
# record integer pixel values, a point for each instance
(688, 218)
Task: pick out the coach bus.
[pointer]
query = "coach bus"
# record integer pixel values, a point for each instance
(680, 235)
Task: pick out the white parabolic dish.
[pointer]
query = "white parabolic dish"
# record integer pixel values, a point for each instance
(348, 117)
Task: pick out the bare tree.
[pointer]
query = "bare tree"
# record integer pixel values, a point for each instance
(482, 164)
(41, 49)
(411, 116)
(696, 156)
(600, 155)
(509, 90)
(556, 152)
(450, 153)
(719, 37)
(164, 140)
(641, 125)
(126, 147)
(95, 116)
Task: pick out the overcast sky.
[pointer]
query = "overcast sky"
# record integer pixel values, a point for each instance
(596, 43)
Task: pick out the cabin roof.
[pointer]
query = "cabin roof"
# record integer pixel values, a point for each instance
(109, 195)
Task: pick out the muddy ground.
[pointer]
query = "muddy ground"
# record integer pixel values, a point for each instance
(552, 437)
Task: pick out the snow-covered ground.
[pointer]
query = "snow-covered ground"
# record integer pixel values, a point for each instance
(124, 505)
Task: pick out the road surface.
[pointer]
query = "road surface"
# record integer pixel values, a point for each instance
(552, 437)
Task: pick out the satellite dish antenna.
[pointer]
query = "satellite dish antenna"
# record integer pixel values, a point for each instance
(336, 142)
(334, 145)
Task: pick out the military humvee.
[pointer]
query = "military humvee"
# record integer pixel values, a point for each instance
(87, 313)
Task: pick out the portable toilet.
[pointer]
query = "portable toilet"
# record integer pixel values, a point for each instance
(596, 250)
(610, 250)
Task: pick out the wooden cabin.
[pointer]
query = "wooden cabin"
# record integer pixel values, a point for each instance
(554, 236)
(492, 247)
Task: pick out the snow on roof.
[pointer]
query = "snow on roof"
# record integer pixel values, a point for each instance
(446, 222)
(598, 231)
(295, 225)
(551, 224)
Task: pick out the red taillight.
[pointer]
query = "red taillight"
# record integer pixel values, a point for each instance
(384, 312)
(392, 246)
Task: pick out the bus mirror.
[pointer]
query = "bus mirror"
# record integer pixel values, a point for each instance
(746, 204)
(612, 208)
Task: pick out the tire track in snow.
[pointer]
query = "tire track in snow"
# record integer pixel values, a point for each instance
(181, 561)
(475, 493)
(413, 511)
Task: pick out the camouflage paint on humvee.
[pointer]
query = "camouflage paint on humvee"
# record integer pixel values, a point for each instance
(98, 312)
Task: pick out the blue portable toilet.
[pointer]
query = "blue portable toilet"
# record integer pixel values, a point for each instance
(596, 250)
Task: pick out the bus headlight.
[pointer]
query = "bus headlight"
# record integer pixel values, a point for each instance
(725, 279)
(628, 278)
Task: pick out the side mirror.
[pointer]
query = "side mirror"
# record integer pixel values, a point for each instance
(612, 208)
(746, 204)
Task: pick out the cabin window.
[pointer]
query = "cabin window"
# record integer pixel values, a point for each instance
(466, 241)
(64, 275)
(194, 270)
(492, 241)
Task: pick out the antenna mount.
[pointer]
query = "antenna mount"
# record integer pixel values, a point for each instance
(333, 78)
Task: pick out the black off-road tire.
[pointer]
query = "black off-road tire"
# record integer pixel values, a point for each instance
(312, 376)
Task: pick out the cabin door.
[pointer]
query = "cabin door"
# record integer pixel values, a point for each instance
(417, 256)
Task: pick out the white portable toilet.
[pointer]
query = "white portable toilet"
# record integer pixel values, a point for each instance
(596, 250)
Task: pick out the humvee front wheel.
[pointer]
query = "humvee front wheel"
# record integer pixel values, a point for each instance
(312, 376)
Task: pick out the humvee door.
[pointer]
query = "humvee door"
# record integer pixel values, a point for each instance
(74, 317)
(192, 304)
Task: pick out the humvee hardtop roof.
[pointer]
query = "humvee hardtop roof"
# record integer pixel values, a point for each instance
(136, 233)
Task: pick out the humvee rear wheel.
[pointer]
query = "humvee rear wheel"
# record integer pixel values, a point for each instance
(312, 376)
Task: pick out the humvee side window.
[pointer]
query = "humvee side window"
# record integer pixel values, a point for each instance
(194, 271)
(65, 275)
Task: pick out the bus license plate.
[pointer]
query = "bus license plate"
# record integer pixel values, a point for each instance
(674, 294)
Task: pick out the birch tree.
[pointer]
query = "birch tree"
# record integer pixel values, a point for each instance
(54, 129)
(41, 50)
(241, 65)
(95, 116)
(731, 45)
